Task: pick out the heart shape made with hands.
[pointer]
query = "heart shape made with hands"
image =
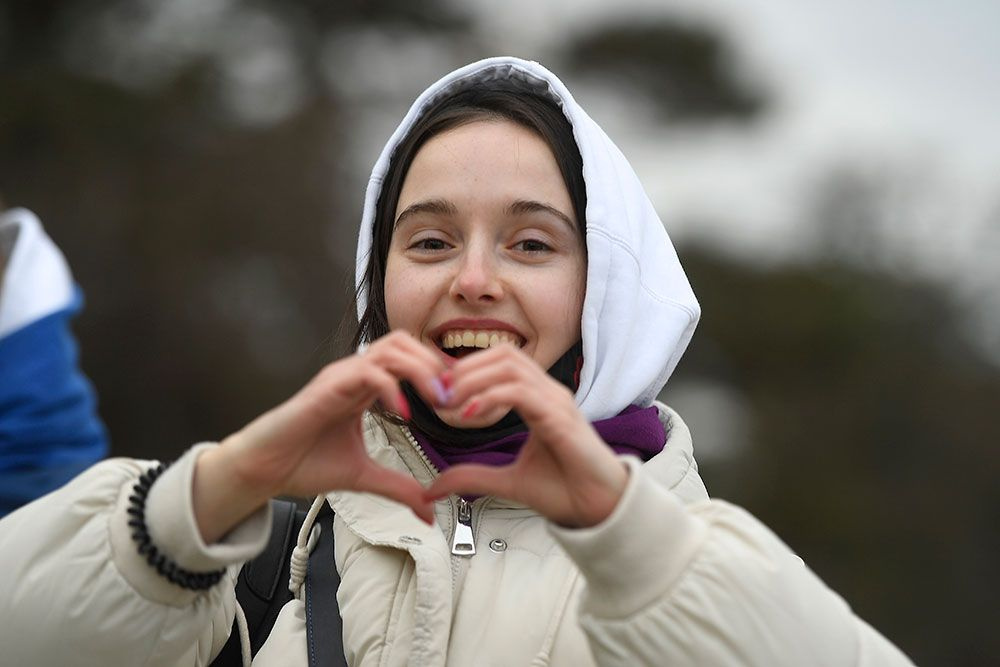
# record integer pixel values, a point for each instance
(313, 442)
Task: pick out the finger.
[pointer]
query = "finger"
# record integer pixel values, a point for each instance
(426, 379)
(355, 386)
(402, 340)
(389, 392)
(547, 411)
(396, 486)
(504, 359)
(407, 359)
(473, 478)
(530, 390)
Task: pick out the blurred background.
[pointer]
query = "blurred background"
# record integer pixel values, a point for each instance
(830, 173)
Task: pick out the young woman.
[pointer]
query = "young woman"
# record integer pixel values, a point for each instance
(506, 490)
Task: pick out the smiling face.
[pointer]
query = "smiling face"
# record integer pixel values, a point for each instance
(486, 248)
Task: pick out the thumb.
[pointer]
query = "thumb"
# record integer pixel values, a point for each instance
(472, 478)
(396, 486)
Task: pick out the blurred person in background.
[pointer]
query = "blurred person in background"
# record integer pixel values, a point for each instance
(49, 427)
(520, 306)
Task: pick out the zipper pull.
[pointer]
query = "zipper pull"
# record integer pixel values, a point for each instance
(463, 543)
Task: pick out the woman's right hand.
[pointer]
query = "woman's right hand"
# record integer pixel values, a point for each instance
(312, 443)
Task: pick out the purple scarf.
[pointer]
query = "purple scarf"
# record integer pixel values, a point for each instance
(636, 431)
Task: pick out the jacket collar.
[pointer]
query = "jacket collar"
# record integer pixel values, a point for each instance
(393, 446)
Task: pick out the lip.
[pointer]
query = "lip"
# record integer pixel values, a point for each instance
(473, 323)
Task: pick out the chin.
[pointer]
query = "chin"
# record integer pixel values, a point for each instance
(453, 417)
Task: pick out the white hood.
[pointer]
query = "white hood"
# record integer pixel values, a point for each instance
(37, 281)
(639, 311)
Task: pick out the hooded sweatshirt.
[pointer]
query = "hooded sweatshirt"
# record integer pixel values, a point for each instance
(49, 429)
(639, 311)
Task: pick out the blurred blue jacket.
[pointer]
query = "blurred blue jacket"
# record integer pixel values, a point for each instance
(49, 428)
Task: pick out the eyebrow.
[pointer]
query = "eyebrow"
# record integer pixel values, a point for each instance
(431, 206)
(444, 207)
(525, 206)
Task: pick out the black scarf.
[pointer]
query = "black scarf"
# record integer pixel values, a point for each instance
(566, 370)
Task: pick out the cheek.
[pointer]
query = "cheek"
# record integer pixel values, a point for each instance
(396, 296)
(407, 297)
(559, 305)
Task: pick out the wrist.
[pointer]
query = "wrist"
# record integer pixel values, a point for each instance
(596, 500)
(222, 497)
(614, 556)
(161, 562)
(614, 485)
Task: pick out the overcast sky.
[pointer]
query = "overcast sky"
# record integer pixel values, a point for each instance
(904, 89)
(890, 85)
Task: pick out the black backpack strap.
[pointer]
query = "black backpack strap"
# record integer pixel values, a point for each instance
(262, 585)
(324, 626)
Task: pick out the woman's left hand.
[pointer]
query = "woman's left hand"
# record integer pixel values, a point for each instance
(564, 470)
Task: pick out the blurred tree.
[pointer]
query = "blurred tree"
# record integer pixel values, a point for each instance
(871, 421)
(199, 228)
(687, 71)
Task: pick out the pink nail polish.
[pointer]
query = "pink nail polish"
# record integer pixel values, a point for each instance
(402, 406)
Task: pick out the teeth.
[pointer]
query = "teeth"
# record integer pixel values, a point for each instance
(478, 339)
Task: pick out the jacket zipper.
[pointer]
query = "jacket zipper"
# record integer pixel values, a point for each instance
(463, 541)
(420, 450)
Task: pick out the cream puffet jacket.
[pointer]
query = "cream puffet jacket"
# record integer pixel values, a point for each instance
(670, 578)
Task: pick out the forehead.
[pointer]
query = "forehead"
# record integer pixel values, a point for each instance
(498, 159)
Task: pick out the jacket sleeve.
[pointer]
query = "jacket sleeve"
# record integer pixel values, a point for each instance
(74, 589)
(707, 584)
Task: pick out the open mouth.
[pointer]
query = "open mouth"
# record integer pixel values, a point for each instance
(460, 343)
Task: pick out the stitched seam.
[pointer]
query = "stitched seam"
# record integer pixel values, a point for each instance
(391, 619)
(621, 243)
(685, 474)
(562, 603)
(310, 631)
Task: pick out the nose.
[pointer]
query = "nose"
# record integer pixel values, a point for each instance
(477, 278)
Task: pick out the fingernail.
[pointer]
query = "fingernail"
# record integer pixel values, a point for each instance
(470, 409)
(441, 391)
(402, 406)
(447, 378)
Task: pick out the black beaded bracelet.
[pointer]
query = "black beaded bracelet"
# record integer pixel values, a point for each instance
(196, 581)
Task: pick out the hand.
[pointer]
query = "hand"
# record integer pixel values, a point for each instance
(564, 471)
(313, 442)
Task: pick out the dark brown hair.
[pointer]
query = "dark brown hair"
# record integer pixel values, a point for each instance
(491, 101)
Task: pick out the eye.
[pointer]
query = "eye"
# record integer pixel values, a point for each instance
(533, 246)
(429, 245)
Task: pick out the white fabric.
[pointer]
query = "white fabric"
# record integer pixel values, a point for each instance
(636, 289)
(37, 281)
